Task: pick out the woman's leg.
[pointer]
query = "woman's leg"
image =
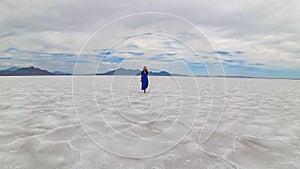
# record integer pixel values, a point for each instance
(145, 91)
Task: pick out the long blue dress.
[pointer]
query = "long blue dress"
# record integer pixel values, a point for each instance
(144, 80)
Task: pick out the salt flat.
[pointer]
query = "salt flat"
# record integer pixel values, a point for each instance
(107, 122)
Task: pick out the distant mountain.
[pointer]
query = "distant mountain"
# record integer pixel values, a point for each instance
(29, 71)
(161, 73)
(34, 71)
(60, 73)
(122, 71)
(26, 71)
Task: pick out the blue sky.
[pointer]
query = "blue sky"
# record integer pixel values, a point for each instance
(249, 38)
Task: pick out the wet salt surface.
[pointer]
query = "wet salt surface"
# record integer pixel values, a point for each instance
(39, 128)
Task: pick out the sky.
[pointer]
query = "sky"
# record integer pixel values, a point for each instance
(232, 37)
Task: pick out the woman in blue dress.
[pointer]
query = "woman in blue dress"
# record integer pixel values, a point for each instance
(144, 78)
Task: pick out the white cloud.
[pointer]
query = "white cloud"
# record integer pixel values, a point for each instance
(268, 32)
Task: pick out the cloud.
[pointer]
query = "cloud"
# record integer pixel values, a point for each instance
(135, 53)
(50, 61)
(223, 53)
(251, 34)
(5, 58)
(115, 59)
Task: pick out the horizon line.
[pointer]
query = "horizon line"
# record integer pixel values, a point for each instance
(171, 74)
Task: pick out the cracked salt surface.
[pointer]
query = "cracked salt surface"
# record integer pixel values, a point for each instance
(260, 127)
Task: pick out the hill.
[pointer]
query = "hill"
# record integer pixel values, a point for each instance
(122, 71)
(26, 71)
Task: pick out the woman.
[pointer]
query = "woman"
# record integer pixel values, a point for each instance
(144, 79)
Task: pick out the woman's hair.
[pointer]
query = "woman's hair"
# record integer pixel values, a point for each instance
(145, 69)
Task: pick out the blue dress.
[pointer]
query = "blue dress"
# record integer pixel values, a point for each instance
(144, 80)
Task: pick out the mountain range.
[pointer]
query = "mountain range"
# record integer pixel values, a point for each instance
(34, 71)
(28, 71)
(122, 71)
